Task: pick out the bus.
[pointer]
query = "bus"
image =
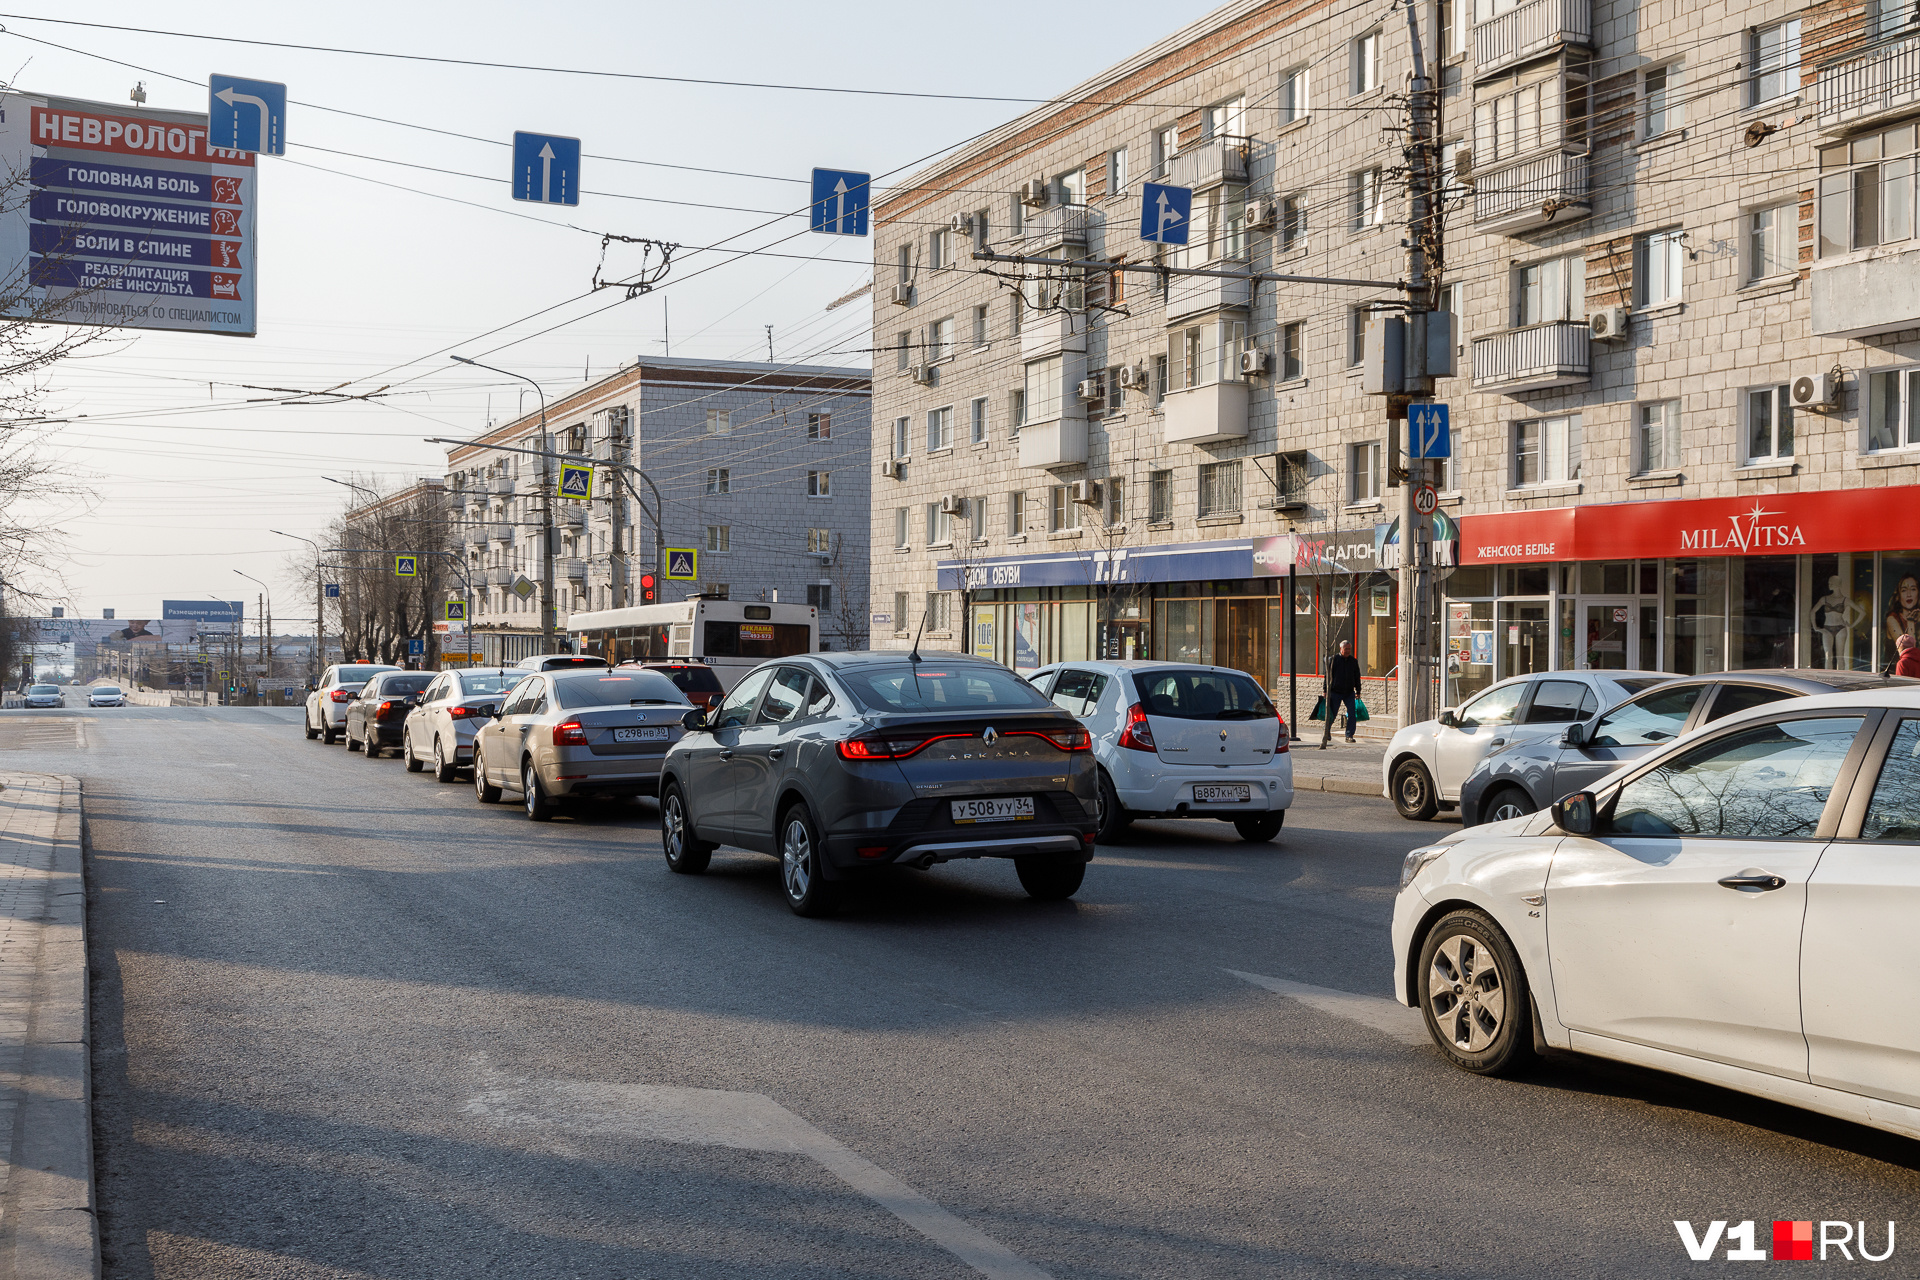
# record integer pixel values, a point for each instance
(732, 637)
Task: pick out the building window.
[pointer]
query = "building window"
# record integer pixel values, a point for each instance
(1546, 450)
(939, 618)
(903, 262)
(819, 542)
(1016, 514)
(1166, 145)
(900, 528)
(1656, 267)
(1016, 215)
(1062, 512)
(1367, 199)
(1291, 364)
(719, 537)
(1552, 290)
(1293, 95)
(1363, 472)
(1453, 32)
(902, 350)
(980, 326)
(1893, 409)
(820, 595)
(1660, 104)
(1072, 186)
(1203, 353)
(940, 340)
(939, 526)
(1160, 376)
(719, 422)
(817, 484)
(1016, 410)
(1769, 423)
(1776, 61)
(1366, 62)
(1042, 401)
(977, 518)
(1293, 221)
(977, 421)
(901, 623)
(1773, 241)
(940, 428)
(719, 480)
(1356, 336)
(1227, 120)
(1659, 436)
(819, 426)
(939, 249)
(1116, 496)
(1116, 171)
(1219, 489)
(902, 443)
(1016, 313)
(1866, 190)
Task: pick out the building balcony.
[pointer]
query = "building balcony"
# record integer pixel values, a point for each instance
(1049, 332)
(1526, 195)
(1874, 85)
(1209, 164)
(1206, 414)
(1061, 442)
(1557, 354)
(1867, 296)
(500, 533)
(1062, 224)
(570, 514)
(1535, 28)
(497, 577)
(570, 567)
(1199, 295)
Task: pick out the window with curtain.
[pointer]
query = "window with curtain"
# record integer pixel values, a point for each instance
(1546, 450)
(1552, 290)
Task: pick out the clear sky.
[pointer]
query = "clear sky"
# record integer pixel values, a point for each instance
(371, 285)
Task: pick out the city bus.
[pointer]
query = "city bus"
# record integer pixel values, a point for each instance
(731, 636)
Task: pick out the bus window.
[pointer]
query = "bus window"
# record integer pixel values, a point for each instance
(755, 639)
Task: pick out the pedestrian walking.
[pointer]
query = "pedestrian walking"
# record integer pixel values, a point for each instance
(1908, 663)
(1343, 686)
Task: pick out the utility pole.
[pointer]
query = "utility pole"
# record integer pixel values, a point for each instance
(616, 504)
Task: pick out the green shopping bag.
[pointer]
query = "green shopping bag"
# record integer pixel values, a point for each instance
(1319, 709)
(1360, 711)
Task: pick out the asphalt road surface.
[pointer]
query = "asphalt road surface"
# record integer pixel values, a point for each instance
(349, 1022)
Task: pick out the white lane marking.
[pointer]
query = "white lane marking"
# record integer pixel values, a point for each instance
(1388, 1016)
(751, 1122)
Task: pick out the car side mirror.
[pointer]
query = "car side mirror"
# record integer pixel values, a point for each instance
(1449, 719)
(1574, 814)
(312, 688)
(491, 710)
(695, 720)
(1575, 736)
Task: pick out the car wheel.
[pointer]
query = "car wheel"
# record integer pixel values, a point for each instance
(808, 890)
(443, 768)
(328, 734)
(1264, 827)
(414, 763)
(539, 807)
(312, 732)
(1109, 819)
(488, 793)
(686, 854)
(1507, 802)
(1413, 792)
(352, 745)
(371, 746)
(1049, 879)
(1474, 997)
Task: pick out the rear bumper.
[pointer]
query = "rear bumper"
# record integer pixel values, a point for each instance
(603, 776)
(1172, 795)
(846, 855)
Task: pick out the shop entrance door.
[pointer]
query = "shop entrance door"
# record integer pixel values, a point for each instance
(1609, 630)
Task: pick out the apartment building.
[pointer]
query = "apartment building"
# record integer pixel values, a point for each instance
(761, 468)
(1681, 263)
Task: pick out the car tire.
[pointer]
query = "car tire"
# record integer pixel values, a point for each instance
(687, 854)
(351, 744)
(1473, 995)
(1050, 879)
(539, 806)
(802, 865)
(329, 735)
(1110, 819)
(1507, 802)
(488, 793)
(414, 763)
(1414, 794)
(370, 746)
(1260, 829)
(312, 732)
(443, 768)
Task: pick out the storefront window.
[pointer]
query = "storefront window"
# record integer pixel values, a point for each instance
(1842, 634)
(1524, 637)
(1469, 647)
(1525, 579)
(1760, 627)
(1696, 627)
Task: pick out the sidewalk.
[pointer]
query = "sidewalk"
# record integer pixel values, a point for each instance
(47, 1224)
(1353, 768)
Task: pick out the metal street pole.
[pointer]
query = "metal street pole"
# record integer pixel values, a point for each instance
(546, 499)
(1423, 262)
(319, 607)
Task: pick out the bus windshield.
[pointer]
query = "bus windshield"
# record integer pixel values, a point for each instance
(755, 639)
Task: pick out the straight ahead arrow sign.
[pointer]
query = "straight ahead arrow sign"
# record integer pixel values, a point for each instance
(546, 172)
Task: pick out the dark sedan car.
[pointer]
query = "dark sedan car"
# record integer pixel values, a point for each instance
(377, 717)
(843, 763)
(1531, 774)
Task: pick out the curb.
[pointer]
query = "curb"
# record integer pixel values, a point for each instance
(47, 1223)
(1347, 786)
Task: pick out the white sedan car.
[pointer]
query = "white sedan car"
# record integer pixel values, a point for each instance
(441, 729)
(1737, 907)
(1426, 762)
(106, 695)
(1179, 740)
(327, 701)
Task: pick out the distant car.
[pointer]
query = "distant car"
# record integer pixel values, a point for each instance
(328, 701)
(695, 679)
(377, 716)
(559, 735)
(106, 695)
(1426, 763)
(449, 716)
(559, 662)
(1178, 740)
(1528, 775)
(45, 695)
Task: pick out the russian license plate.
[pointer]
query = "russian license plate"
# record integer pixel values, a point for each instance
(646, 733)
(1240, 794)
(1015, 810)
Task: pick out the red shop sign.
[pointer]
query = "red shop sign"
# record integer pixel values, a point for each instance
(1774, 524)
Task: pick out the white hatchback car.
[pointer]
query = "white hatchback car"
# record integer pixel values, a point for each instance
(1737, 907)
(1178, 740)
(1426, 762)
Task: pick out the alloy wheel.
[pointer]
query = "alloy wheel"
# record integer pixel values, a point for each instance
(1508, 808)
(673, 819)
(796, 859)
(1467, 992)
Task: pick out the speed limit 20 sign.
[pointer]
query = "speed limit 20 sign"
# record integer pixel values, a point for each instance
(1426, 500)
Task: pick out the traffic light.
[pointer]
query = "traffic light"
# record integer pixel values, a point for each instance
(646, 588)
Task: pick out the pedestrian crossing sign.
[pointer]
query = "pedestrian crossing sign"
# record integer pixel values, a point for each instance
(576, 481)
(406, 566)
(456, 611)
(683, 564)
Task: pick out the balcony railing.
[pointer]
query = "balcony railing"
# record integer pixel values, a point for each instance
(1873, 84)
(1061, 224)
(569, 567)
(500, 532)
(1531, 29)
(1556, 354)
(1199, 295)
(1529, 194)
(1209, 163)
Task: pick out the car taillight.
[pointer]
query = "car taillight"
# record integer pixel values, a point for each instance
(570, 734)
(342, 695)
(457, 712)
(385, 707)
(878, 748)
(1138, 735)
(1280, 747)
(1068, 739)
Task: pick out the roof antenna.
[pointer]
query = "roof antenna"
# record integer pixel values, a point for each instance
(915, 655)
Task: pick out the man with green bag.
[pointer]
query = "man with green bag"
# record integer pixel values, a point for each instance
(1343, 690)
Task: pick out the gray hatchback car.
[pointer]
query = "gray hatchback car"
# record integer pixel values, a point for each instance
(841, 764)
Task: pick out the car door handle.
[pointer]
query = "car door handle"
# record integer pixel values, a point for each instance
(1754, 880)
(776, 752)
(726, 753)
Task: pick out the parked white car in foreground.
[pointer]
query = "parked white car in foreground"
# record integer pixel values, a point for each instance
(1426, 762)
(106, 695)
(1737, 907)
(1178, 740)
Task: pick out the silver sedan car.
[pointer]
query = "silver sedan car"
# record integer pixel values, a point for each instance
(561, 735)
(440, 731)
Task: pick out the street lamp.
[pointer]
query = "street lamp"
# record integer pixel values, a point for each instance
(546, 498)
(350, 485)
(266, 623)
(319, 607)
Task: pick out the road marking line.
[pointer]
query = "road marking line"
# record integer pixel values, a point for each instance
(1388, 1016)
(750, 1122)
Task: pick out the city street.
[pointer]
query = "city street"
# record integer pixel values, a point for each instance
(349, 1022)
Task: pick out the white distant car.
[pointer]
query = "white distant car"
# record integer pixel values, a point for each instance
(106, 695)
(1426, 762)
(441, 729)
(1736, 906)
(1178, 740)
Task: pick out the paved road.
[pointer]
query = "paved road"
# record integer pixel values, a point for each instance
(351, 1023)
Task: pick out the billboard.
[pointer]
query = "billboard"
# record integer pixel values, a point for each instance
(91, 631)
(129, 219)
(226, 611)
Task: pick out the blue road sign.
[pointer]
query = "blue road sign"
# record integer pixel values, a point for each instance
(1165, 213)
(247, 115)
(1429, 434)
(683, 563)
(416, 647)
(333, 591)
(546, 168)
(840, 202)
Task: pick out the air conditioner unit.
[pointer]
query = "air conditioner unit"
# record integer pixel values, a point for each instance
(1133, 376)
(953, 505)
(922, 374)
(891, 468)
(902, 295)
(1084, 492)
(1260, 215)
(1034, 193)
(1814, 391)
(961, 224)
(1253, 361)
(1609, 324)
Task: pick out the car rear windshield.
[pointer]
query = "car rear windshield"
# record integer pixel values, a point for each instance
(490, 682)
(1202, 695)
(933, 686)
(357, 675)
(617, 689)
(692, 679)
(407, 683)
(561, 664)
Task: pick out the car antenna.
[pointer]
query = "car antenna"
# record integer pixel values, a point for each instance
(914, 656)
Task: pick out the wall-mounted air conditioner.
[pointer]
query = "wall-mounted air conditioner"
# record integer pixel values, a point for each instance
(953, 505)
(1034, 193)
(1609, 324)
(891, 468)
(1814, 391)
(1089, 389)
(1260, 215)
(1084, 492)
(901, 295)
(1253, 361)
